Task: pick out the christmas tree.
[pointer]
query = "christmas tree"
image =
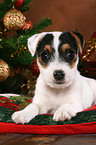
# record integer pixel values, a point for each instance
(18, 69)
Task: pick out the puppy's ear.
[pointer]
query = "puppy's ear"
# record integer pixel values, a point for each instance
(79, 40)
(33, 41)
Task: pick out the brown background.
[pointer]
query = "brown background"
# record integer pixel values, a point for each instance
(65, 15)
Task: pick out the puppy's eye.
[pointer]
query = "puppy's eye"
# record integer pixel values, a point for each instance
(45, 56)
(69, 55)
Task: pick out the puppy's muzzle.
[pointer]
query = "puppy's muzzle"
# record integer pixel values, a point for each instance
(59, 75)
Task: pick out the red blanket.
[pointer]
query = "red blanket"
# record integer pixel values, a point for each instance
(84, 122)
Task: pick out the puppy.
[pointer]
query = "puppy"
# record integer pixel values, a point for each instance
(60, 88)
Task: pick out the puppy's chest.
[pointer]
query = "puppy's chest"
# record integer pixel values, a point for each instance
(55, 101)
(58, 98)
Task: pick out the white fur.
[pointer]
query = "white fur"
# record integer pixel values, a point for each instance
(64, 100)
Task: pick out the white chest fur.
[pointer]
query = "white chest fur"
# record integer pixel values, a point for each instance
(52, 98)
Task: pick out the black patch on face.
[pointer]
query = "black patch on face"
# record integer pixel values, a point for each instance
(70, 53)
(44, 51)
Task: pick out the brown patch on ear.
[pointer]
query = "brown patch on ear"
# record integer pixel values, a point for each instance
(72, 64)
(77, 40)
(48, 47)
(65, 46)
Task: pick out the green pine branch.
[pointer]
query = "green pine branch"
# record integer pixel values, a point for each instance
(6, 5)
(44, 23)
(25, 6)
(15, 50)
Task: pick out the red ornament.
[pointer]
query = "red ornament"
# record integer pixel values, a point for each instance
(18, 4)
(27, 25)
(34, 67)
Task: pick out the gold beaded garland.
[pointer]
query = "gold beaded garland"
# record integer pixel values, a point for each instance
(92, 46)
(14, 19)
(3, 31)
(19, 50)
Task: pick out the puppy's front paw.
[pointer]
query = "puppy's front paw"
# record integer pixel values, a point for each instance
(21, 117)
(25, 115)
(64, 112)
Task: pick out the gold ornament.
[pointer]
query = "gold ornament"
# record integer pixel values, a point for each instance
(14, 19)
(4, 70)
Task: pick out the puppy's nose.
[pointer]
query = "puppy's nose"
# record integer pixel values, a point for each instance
(59, 75)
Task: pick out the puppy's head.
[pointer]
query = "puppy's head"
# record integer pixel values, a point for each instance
(57, 56)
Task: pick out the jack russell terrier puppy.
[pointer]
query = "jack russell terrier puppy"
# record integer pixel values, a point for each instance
(60, 89)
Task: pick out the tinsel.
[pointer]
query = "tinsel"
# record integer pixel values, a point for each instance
(87, 65)
(92, 47)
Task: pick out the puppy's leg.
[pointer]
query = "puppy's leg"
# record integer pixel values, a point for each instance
(92, 84)
(67, 111)
(25, 115)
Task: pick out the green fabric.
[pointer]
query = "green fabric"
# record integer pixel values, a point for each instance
(21, 102)
(5, 115)
(82, 117)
